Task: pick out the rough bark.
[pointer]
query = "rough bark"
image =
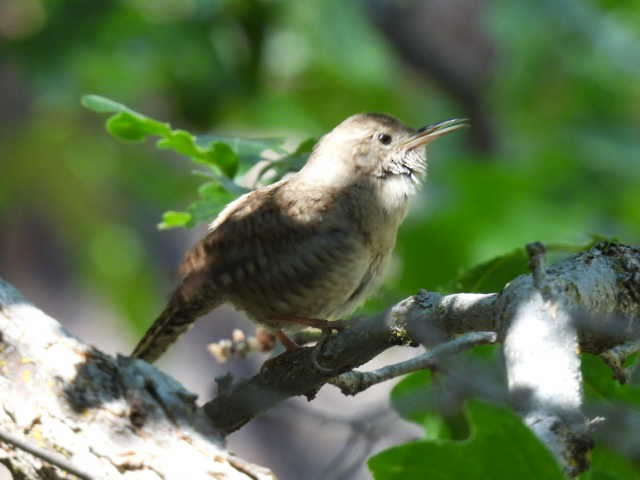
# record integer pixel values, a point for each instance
(591, 300)
(120, 416)
(108, 417)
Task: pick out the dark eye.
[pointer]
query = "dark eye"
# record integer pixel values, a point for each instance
(384, 138)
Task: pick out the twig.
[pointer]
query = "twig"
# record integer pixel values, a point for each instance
(543, 366)
(596, 282)
(537, 253)
(354, 382)
(111, 417)
(49, 457)
(616, 356)
(294, 373)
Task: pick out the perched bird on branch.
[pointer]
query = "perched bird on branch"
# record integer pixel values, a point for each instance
(308, 249)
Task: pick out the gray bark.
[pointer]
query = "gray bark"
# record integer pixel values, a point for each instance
(590, 301)
(117, 416)
(108, 417)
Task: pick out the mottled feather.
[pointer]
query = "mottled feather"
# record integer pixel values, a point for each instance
(313, 245)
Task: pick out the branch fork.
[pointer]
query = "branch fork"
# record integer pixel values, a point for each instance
(85, 397)
(533, 317)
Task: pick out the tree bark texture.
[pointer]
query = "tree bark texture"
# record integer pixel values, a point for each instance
(109, 417)
(117, 417)
(587, 303)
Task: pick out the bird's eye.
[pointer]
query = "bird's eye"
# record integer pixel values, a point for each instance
(384, 138)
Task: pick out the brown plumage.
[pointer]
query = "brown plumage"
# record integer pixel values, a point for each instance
(312, 245)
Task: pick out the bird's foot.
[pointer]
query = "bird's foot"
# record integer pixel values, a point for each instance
(326, 326)
(316, 351)
(286, 342)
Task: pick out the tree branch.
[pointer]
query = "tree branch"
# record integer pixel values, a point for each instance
(108, 416)
(354, 382)
(49, 457)
(295, 373)
(104, 416)
(616, 356)
(600, 287)
(543, 366)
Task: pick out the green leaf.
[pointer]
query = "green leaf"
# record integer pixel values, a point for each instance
(608, 465)
(102, 104)
(413, 397)
(209, 190)
(214, 191)
(305, 147)
(126, 126)
(213, 198)
(492, 275)
(245, 147)
(291, 162)
(173, 219)
(206, 210)
(500, 446)
(248, 151)
(225, 157)
(182, 142)
(221, 155)
(410, 396)
(226, 183)
(599, 383)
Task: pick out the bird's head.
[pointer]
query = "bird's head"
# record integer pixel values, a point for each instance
(377, 149)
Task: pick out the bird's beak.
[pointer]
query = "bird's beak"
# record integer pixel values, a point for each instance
(428, 134)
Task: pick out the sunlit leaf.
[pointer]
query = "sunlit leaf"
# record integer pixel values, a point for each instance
(214, 192)
(173, 219)
(127, 126)
(101, 104)
(224, 156)
(180, 141)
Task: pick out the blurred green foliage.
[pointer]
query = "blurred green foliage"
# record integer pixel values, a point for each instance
(564, 105)
(225, 158)
(424, 399)
(609, 465)
(562, 98)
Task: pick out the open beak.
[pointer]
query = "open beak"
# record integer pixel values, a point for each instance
(428, 134)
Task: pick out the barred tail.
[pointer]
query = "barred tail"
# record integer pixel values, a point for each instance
(175, 319)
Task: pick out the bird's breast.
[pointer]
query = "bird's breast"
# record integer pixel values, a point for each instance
(330, 250)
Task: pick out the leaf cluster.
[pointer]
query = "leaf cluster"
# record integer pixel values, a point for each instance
(224, 161)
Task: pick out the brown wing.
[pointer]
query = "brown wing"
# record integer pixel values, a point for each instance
(272, 246)
(269, 252)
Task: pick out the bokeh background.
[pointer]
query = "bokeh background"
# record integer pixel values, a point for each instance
(552, 89)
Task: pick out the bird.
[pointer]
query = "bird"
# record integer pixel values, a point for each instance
(308, 249)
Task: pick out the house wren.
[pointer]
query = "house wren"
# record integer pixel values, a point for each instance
(310, 246)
